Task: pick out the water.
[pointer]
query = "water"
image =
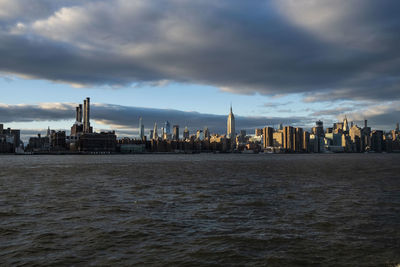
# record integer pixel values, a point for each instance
(169, 210)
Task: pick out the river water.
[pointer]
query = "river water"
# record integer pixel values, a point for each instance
(205, 209)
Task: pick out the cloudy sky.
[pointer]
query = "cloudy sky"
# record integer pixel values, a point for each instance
(185, 61)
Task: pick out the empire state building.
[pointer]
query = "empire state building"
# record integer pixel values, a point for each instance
(230, 132)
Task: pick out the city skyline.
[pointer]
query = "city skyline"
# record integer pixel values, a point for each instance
(289, 61)
(341, 137)
(193, 120)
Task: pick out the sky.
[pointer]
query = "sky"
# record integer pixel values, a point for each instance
(276, 61)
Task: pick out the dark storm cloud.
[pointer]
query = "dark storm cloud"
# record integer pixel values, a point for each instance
(123, 118)
(329, 50)
(43, 112)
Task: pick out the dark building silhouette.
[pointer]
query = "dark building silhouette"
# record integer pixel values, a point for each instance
(175, 134)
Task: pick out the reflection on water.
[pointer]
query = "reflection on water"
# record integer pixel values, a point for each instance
(200, 210)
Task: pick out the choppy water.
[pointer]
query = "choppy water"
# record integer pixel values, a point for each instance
(275, 210)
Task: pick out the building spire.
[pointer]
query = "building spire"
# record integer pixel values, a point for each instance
(231, 106)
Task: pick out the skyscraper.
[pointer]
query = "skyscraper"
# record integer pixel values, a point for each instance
(230, 132)
(206, 133)
(167, 127)
(288, 138)
(268, 137)
(186, 133)
(155, 135)
(345, 125)
(176, 133)
(318, 129)
(141, 128)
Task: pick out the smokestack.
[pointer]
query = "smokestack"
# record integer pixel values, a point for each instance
(77, 113)
(80, 113)
(88, 114)
(84, 115)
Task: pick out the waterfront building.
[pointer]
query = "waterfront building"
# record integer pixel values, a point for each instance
(268, 137)
(377, 141)
(278, 139)
(97, 142)
(131, 146)
(38, 144)
(288, 138)
(230, 133)
(333, 142)
(10, 140)
(306, 141)
(316, 144)
(58, 140)
(298, 139)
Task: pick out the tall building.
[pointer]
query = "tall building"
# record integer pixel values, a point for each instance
(167, 127)
(155, 135)
(345, 125)
(278, 139)
(206, 133)
(268, 137)
(377, 141)
(318, 130)
(258, 132)
(199, 134)
(10, 140)
(175, 134)
(355, 134)
(298, 139)
(306, 141)
(338, 127)
(366, 136)
(186, 133)
(230, 132)
(288, 138)
(141, 128)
